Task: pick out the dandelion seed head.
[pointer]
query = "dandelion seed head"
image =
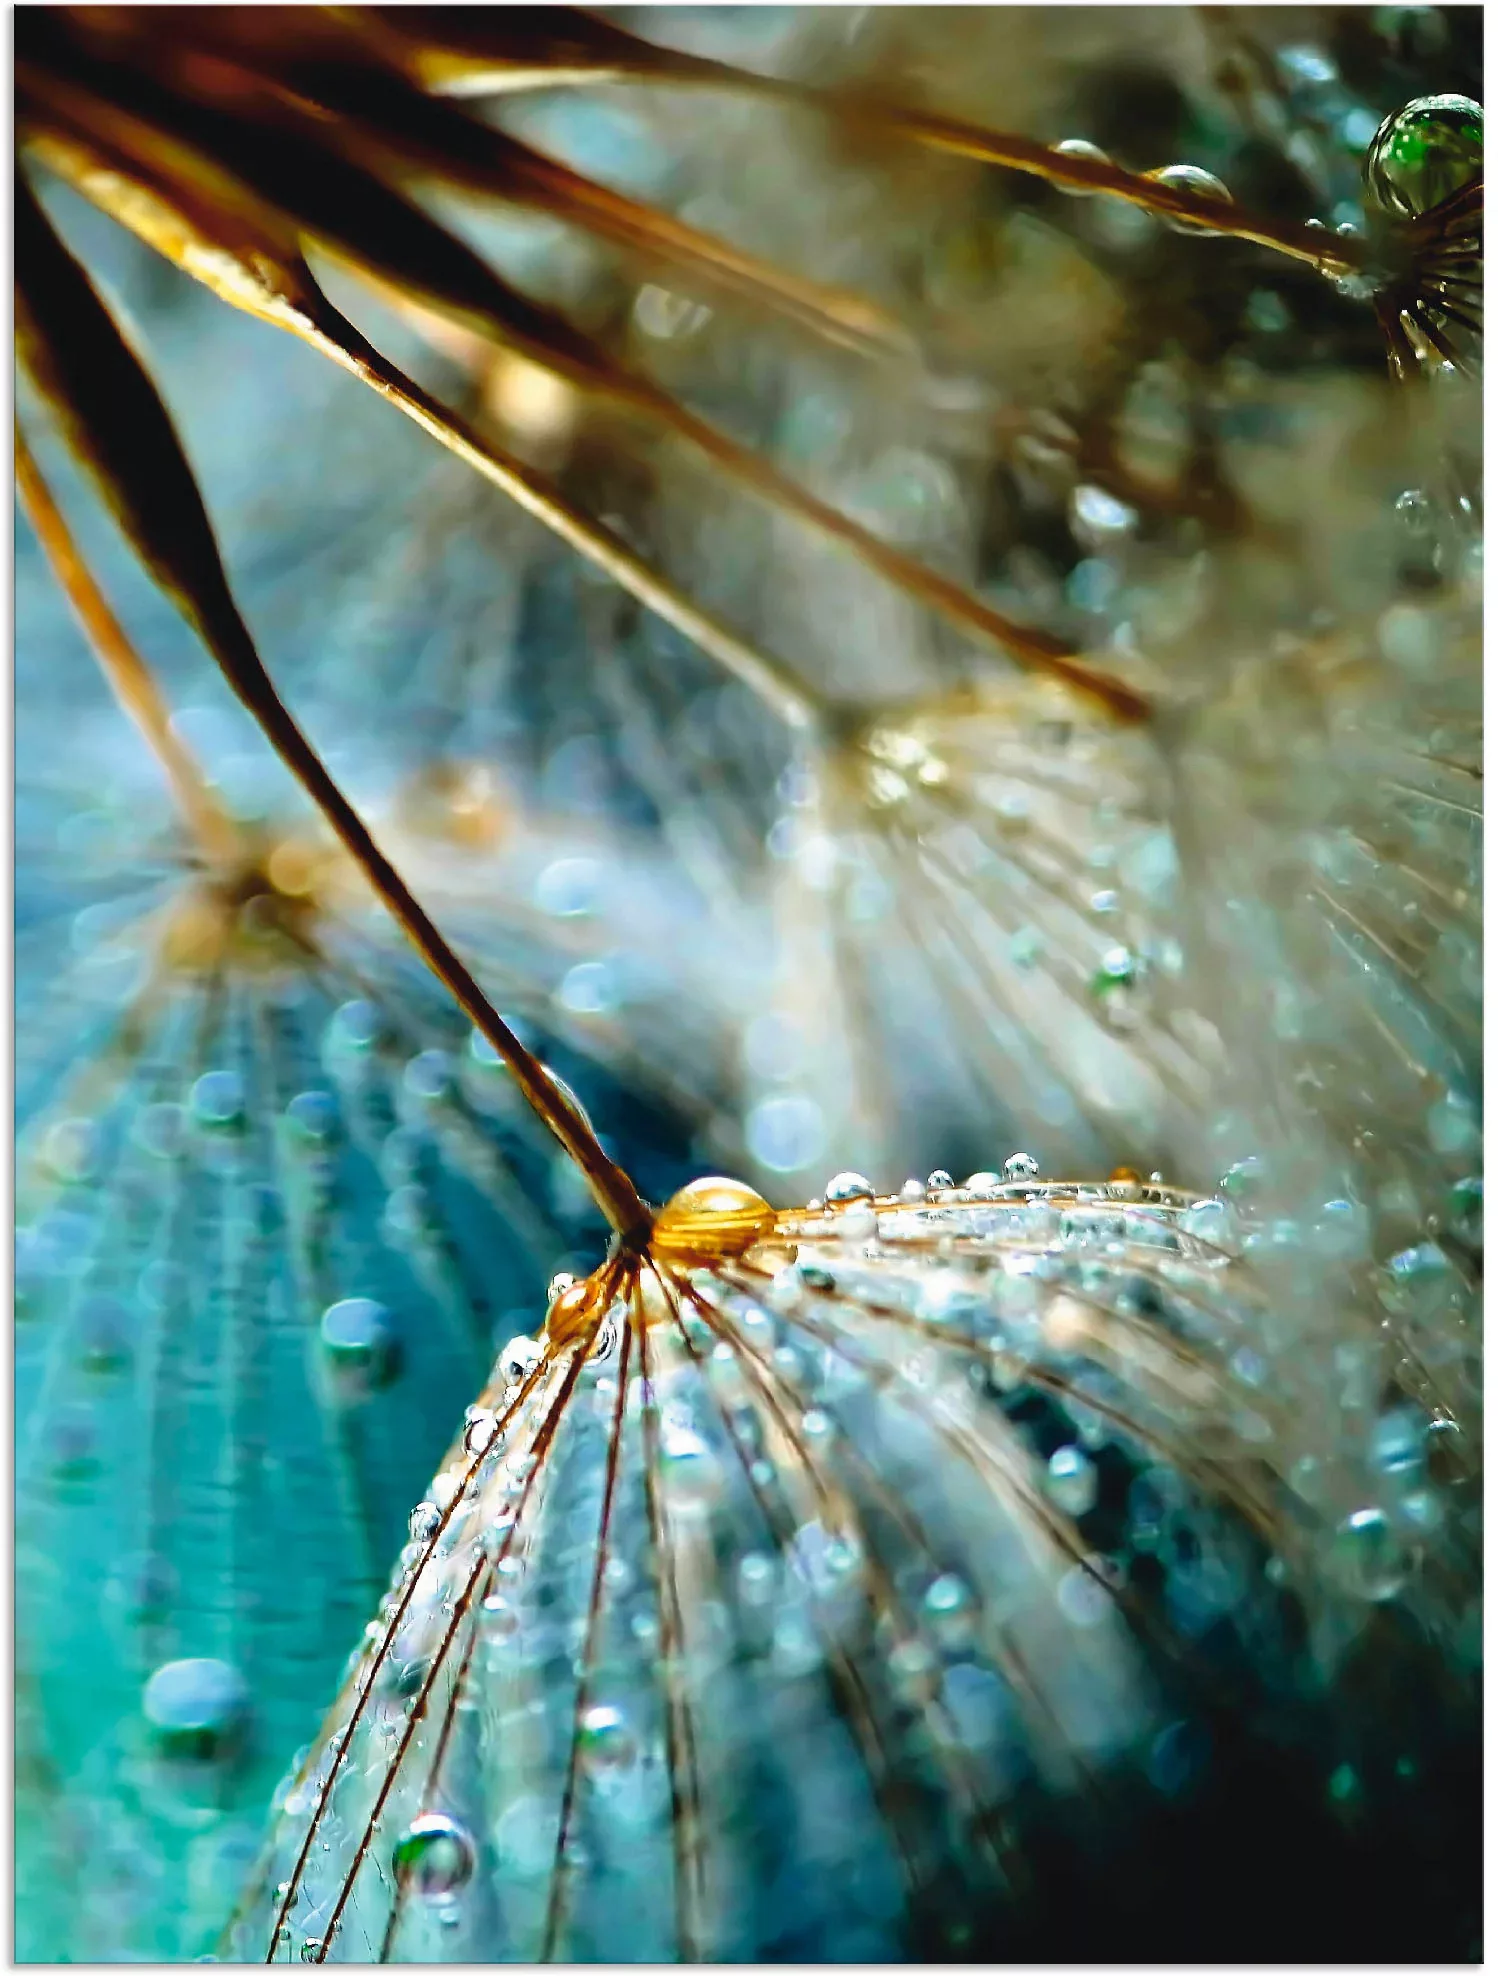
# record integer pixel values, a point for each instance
(855, 1500)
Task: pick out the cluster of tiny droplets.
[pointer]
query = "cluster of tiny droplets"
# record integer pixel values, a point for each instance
(1020, 1365)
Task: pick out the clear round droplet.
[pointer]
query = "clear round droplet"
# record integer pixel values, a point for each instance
(1371, 1559)
(429, 1076)
(196, 1708)
(1214, 1223)
(425, 1521)
(356, 1026)
(313, 1116)
(846, 1189)
(605, 1741)
(359, 1338)
(950, 1611)
(1089, 153)
(1423, 153)
(478, 1430)
(434, 1857)
(1397, 1443)
(1071, 1481)
(1021, 1166)
(518, 1358)
(1190, 178)
(217, 1101)
(939, 1182)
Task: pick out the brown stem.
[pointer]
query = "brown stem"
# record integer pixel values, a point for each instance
(630, 60)
(130, 678)
(1331, 253)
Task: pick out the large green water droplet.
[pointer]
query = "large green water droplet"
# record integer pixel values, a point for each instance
(1423, 153)
(434, 1857)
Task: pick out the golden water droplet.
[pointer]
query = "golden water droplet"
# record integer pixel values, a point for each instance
(1124, 1175)
(570, 1310)
(710, 1218)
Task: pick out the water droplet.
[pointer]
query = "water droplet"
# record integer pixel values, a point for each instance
(518, 1358)
(434, 1857)
(429, 1076)
(1371, 1559)
(478, 1430)
(1089, 153)
(939, 1182)
(1190, 178)
(313, 1116)
(1071, 1481)
(605, 1743)
(1243, 1179)
(1021, 1166)
(1118, 968)
(950, 1610)
(1342, 1231)
(197, 1708)
(425, 1521)
(1098, 518)
(843, 1189)
(359, 1338)
(982, 1183)
(217, 1101)
(590, 988)
(1214, 1223)
(356, 1026)
(570, 888)
(1423, 153)
(1420, 1282)
(1397, 1443)
(711, 1218)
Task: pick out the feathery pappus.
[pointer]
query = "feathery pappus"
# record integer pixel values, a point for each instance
(843, 1584)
